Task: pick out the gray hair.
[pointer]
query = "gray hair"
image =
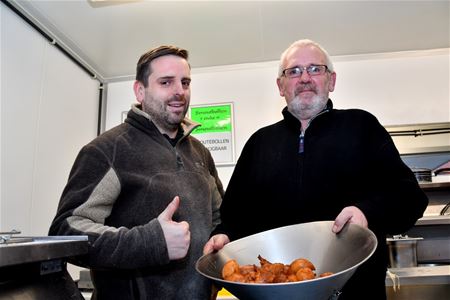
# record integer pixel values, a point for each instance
(303, 43)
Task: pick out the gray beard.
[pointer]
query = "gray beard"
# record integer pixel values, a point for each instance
(306, 111)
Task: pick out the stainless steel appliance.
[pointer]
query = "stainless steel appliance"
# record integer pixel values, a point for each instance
(35, 267)
(430, 278)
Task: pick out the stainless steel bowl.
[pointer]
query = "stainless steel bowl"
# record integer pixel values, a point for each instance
(338, 253)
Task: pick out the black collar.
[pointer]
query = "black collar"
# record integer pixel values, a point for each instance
(174, 141)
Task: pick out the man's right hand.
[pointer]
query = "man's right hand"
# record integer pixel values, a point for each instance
(177, 234)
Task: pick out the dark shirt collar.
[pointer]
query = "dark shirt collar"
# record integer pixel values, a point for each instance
(174, 141)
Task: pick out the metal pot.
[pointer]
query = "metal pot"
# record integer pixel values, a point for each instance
(402, 251)
(338, 253)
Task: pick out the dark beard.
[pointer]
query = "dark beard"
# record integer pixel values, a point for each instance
(162, 121)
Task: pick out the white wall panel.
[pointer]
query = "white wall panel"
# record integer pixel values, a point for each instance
(67, 120)
(20, 95)
(398, 88)
(119, 97)
(49, 109)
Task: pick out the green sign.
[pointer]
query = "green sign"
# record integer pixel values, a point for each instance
(214, 118)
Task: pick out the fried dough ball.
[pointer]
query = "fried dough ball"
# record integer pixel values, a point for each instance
(236, 277)
(292, 278)
(246, 269)
(299, 270)
(270, 272)
(305, 274)
(282, 277)
(299, 264)
(264, 276)
(325, 274)
(230, 268)
(275, 268)
(250, 272)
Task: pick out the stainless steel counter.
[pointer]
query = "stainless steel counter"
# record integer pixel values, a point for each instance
(36, 249)
(434, 220)
(419, 283)
(35, 267)
(421, 275)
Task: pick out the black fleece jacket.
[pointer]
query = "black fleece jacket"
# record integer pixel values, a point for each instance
(349, 159)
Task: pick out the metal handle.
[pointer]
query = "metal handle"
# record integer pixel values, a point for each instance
(335, 295)
(6, 236)
(11, 232)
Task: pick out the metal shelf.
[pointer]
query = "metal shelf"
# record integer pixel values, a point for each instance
(434, 220)
(435, 186)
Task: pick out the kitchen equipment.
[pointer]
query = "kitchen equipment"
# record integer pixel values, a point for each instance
(422, 174)
(338, 253)
(431, 278)
(35, 267)
(402, 251)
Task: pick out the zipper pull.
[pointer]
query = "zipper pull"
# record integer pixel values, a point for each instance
(301, 145)
(179, 161)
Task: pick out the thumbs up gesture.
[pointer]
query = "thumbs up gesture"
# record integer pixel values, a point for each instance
(177, 234)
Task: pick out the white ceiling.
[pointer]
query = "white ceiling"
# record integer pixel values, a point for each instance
(110, 36)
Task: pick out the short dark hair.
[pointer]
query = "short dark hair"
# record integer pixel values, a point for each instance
(143, 69)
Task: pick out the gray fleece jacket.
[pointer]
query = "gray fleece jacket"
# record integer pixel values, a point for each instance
(119, 184)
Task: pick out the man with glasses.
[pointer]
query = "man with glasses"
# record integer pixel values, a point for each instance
(321, 163)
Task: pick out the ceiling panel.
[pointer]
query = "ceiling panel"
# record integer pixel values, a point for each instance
(110, 36)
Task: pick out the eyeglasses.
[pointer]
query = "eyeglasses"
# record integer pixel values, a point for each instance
(312, 70)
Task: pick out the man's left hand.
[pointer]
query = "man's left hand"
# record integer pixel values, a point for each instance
(216, 242)
(350, 214)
